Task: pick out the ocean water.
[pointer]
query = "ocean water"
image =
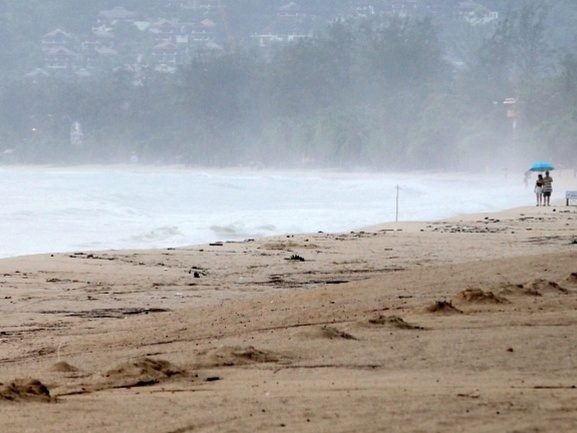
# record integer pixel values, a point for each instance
(78, 209)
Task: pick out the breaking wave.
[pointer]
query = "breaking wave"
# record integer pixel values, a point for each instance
(51, 210)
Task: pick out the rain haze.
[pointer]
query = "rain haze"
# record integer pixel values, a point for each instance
(388, 86)
(303, 216)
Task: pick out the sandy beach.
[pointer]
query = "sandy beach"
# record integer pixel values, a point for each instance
(463, 325)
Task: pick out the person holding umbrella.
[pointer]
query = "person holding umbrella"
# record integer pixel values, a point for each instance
(547, 189)
(544, 185)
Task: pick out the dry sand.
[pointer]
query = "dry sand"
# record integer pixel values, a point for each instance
(466, 325)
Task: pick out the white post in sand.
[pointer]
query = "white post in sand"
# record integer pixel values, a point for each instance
(397, 206)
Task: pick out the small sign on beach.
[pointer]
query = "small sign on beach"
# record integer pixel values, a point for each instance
(570, 195)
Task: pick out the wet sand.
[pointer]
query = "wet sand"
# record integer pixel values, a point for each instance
(468, 324)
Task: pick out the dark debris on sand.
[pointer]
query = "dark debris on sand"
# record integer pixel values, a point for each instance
(444, 307)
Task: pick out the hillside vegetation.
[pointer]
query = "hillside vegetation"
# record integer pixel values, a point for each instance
(384, 91)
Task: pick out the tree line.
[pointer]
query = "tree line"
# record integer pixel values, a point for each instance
(379, 92)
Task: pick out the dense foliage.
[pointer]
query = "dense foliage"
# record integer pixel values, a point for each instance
(377, 92)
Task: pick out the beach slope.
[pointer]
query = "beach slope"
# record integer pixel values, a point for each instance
(468, 325)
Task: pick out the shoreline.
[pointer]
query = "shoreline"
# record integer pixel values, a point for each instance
(411, 326)
(458, 216)
(150, 220)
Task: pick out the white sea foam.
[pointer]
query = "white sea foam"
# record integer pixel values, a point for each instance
(160, 234)
(60, 209)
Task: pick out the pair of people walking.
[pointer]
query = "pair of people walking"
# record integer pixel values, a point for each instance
(543, 189)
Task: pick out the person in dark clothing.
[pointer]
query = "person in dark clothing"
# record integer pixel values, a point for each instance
(547, 189)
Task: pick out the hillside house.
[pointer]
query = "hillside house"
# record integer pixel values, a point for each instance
(169, 30)
(200, 34)
(166, 54)
(476, 14)
(364, 11)
(291, 24)
(165, 30)
(207, 38)
(117, 15)
(432, 8)
(281, 35)
(92, 41)
(60, 58)
(58, 39)
(98, 48)
(292, 10)
(102, 36)
(208, 24)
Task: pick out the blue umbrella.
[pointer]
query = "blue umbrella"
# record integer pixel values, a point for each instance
(542, 166)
